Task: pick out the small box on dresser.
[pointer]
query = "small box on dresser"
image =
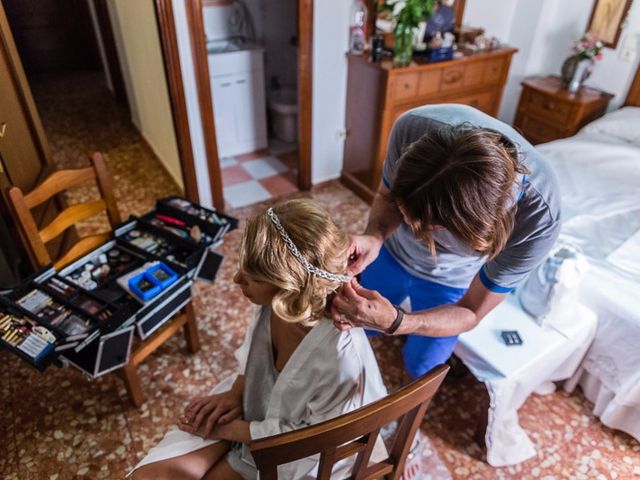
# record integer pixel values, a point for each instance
(547, 111)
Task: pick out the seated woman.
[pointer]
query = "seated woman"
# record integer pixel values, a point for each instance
(297, 369)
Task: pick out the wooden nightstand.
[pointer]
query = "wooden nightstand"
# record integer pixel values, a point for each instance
(547, 111)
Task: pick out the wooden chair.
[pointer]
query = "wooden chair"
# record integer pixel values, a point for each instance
(35, 240)
(355, 434)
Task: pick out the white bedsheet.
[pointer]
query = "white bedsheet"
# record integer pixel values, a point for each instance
(600, 184)
(599, 176)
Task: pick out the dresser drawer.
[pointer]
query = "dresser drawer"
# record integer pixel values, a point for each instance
(429, 83)
(539, 132)
(406, 86)
(493, 71)
(548, 107)
(474, 74)
(483, 101)
(452, 78)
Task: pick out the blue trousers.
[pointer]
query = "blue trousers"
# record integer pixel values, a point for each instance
(387, 276)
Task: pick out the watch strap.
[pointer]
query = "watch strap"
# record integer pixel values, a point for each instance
(396, 323)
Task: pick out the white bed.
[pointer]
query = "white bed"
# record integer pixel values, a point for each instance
(599, 174)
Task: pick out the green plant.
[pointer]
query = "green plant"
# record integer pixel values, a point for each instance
(408, 13)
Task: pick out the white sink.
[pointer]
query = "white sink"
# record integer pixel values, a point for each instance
(215, 47)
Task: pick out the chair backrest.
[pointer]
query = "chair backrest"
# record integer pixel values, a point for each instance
(55, 183)
(355, 433)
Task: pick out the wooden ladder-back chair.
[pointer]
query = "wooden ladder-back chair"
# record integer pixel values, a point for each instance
(355, 433)
(54, 184)
(57, 182)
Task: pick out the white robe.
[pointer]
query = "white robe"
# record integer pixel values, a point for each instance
(330, 373)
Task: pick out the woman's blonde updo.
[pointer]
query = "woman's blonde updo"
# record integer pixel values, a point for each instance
(264, 256)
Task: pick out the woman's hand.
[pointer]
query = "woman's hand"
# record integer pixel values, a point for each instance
(364, 249)
(203, 414)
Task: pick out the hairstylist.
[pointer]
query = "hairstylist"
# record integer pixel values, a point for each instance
(466, 209)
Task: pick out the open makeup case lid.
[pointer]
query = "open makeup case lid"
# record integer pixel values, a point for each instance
(89, 311)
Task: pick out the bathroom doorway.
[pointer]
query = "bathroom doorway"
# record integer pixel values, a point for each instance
(257, 55)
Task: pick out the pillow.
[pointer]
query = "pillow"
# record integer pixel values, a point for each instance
(622, 124)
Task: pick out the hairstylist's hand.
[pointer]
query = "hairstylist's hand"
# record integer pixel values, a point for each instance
(364, 249)
(356, 306)
(204, 413)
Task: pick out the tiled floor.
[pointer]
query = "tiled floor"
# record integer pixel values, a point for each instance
(57, 425)
(259, 176)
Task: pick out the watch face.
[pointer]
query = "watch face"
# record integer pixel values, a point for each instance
(160, 275)
(145, 285)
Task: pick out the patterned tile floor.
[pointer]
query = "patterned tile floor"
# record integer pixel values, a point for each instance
(261, 175)
(58, 425)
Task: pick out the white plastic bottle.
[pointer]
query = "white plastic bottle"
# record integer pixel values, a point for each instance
(357, 32)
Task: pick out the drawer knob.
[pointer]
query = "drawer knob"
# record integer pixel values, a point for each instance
(407, 86)
(3, 129)
(453, 77)
(549, 106)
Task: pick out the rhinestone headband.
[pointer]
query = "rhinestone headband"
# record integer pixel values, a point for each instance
(334, 277)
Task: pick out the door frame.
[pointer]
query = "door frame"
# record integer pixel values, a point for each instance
(205, 98)
(110, 51)
(173, 73)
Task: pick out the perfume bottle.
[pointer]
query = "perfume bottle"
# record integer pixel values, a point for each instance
(357, 30)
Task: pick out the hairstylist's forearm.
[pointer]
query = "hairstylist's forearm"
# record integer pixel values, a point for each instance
(443, 321)
(384, 216)
(456, 318)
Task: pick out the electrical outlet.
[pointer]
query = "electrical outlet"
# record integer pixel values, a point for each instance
(629, 48)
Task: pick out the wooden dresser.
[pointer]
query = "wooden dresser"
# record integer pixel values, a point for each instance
(547, 111)
(377, 94)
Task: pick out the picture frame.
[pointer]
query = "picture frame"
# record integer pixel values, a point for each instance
(606, 20)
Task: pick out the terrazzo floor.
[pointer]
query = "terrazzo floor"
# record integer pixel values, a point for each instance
(58, 425)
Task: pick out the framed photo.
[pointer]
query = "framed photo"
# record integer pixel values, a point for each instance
(606, 20)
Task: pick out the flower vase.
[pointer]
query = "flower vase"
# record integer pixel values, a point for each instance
(402, 45)
(575, 71)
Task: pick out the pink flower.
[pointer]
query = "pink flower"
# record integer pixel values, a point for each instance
(598, 57)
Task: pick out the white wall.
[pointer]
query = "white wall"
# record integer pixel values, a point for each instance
(544, 31)
(330, 44)
(140, 53)
(275, 24)
(279, 26)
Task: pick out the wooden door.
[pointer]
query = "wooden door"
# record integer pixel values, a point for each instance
(24, 157)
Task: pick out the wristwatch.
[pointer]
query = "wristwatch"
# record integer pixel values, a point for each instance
(396, 323)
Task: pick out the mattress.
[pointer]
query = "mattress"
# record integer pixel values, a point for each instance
(599, 175)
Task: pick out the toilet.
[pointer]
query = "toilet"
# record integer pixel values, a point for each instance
(283, 109)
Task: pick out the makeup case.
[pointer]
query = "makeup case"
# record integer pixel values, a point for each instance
(88, 312)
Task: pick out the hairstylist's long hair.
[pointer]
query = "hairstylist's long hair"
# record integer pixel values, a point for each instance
(461, 178)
